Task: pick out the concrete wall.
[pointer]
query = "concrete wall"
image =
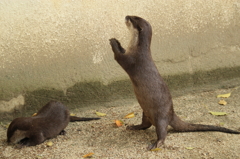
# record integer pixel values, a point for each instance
(56, 44)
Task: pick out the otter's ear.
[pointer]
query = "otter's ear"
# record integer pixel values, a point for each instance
(139, 28)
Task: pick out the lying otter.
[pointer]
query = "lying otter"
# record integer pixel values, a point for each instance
(151, 91)
(50, 121)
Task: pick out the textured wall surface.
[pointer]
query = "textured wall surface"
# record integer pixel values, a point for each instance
(58, 43)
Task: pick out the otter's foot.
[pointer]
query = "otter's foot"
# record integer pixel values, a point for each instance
(63, 132)
(116, 46)
(137, 127)
(155, 145)
(145, 124)
(161, 130)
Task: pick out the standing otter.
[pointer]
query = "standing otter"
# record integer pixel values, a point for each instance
(151, 91)
(50, 121)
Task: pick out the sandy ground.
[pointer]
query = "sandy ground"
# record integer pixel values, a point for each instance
(106, 140)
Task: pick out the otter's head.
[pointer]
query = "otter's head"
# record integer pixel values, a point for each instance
(18, 136)
(141, 30)
(17, 129)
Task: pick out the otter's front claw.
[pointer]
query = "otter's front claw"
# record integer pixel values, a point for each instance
(151, 147)
(155, 145)
(112, 40)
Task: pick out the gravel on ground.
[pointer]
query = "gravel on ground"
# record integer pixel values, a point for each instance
(107, 141)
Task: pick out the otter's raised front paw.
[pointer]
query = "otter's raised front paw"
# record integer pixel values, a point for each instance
(116, 46)
(114, 42)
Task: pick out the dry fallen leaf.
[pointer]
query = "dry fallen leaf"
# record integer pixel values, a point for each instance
(100, 114)
(235, 88)
(156, 149)
(5, 126)
(221, 123)
(34, 114)
(118, 123)
(224, 95)
(222, 102)
(217, 113)
(88, 155)
(189, 148)
(130, 115)
(49, 143)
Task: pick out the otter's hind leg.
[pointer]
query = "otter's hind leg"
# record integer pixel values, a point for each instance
(144, 125)
(161, 130)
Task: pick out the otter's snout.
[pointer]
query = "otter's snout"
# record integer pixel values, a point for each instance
(128, 21)
(127, 18)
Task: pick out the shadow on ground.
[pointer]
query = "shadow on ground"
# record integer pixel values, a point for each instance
(86, 94)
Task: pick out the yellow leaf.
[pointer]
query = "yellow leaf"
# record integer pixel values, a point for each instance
(224, 95)
(130, 115)
(217, 113)
(49, 143)
(236, 87)
(221, 123)
(100, 114)
(156, 149)
(118, 123)
(71, 114)
(189, 148)
(88, 155)
(34, 114)
(7, 125)
(222, 102)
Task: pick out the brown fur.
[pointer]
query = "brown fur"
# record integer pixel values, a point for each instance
(151, 91)
(50, 121)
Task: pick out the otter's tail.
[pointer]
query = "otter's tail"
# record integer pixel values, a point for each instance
(74, 118)
(182, 126)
